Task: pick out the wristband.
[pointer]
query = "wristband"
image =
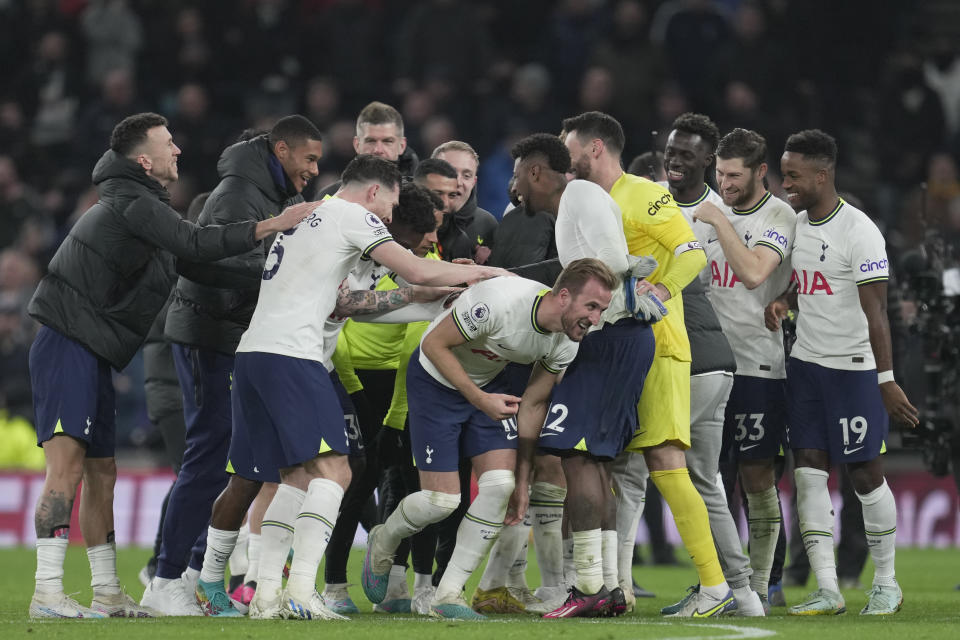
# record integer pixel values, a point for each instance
(885, 376)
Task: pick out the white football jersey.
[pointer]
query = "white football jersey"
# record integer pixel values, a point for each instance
(590, 225)
(365, 275)
(302, 275)
(771, 224)
(704, 232)
(831, 258)
(498, 319)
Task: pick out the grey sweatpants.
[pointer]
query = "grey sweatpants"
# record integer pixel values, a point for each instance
(708, 399)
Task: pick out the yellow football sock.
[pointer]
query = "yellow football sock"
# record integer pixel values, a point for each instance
(690, 515)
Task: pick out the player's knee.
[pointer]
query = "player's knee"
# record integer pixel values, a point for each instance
(497, 483)
(442, 504)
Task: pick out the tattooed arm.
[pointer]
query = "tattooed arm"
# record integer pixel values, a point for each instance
(357, 302)
(360, 302)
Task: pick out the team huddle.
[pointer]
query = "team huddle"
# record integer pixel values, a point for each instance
(636, 337)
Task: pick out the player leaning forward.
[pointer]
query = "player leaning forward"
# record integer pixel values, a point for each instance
(284, 402)
(459, 407)
(838, 404)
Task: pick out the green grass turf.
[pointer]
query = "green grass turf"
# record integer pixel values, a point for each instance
(928, 577)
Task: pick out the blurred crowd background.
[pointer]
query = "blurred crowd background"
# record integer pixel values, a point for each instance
(884, 78)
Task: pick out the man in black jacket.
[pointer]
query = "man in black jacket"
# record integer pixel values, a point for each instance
(468, 231)
(258, 178)
(104, 288)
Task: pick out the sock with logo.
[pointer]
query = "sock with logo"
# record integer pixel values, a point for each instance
(764, 531)
(815, 512)
(880, 525)
(478, 529)
(588, 558)
(546, 516)
(220, 546)
(502, 556)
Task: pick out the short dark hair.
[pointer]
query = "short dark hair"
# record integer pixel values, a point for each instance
(379, 113)
(547, 145)
(416, 208)
(595, 124)
(643, 163)
(576, 274)
(745, 144)
(131, 132)
(434, 166)
(813, 143)
(294, 130)
(369, 168)
(699, 125)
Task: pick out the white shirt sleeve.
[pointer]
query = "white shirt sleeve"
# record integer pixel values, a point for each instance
(365, 232)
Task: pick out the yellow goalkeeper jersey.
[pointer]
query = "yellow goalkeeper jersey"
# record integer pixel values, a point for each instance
(654, 226)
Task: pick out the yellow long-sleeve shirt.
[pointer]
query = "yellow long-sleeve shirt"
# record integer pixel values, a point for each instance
(654, 226)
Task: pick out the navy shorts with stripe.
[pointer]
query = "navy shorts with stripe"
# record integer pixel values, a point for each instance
(445, 427)
(755, 421)
(72, 393)
(835, 410)
(285, 412)
(354, 435)
(594, 408)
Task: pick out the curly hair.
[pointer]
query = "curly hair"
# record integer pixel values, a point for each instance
(547, 145)
(699, 125)
(416, 208)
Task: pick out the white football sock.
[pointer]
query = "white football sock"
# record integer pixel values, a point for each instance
(764, 531)
(103, 569)
(253, 558)
(478, 529)
(630, 484)
(413, 514)
(815, 512)
(588, 558)
(502, 556)
(397, 583)
(609, 549)
(546, 515)
(517, 576)
(276, 536)
(220, 546)
(315, 522)
(239, 559)
(50, 555)
(880, 525)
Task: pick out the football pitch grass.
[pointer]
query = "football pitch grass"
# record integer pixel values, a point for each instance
(931, 610)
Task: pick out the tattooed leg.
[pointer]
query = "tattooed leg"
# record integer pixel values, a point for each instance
(64, 456)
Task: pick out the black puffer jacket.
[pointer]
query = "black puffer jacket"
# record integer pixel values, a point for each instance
(523, 239)
(250, 189)
(113, 273)
(709, 348)
(461, 232)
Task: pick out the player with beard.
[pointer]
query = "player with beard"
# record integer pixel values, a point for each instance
(460, 405)
(653, 224)
(748, 261)
(841, 391)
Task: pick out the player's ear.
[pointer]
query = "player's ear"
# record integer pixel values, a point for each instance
(762, 170)
(280, 149)
(372, 191)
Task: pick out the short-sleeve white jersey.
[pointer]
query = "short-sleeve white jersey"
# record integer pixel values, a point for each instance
(364, 276)
(590, 225)
(770, 224)
(498, 320)
(704, 232)
(831, 259)
(302, 275)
